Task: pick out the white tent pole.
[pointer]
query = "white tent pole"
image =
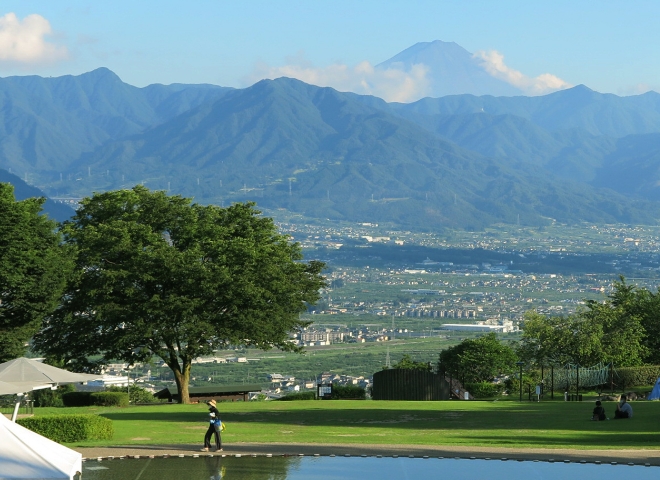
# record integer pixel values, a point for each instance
(18, 404)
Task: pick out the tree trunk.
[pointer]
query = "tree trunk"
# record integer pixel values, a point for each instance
(182, 378)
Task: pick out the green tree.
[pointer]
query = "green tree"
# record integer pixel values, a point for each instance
(158, 275)
(409, 364)
(477, 360)
(638, 305)
(570, 339)
(614, 330)
(33, 269)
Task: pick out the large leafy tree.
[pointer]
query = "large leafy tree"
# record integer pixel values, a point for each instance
(559, 340)
(477, 360)
(614, 330)
(158, 275)
(33, 269)
(638, 304)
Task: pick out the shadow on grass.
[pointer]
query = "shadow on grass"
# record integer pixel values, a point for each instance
(451, 416)
(621, 440)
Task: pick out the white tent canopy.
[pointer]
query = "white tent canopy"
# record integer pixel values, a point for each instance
(26, 371)
(13, 388)
(24, 375)
(29, 456)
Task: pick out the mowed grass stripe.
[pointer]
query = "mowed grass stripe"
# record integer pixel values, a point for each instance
(505, 423)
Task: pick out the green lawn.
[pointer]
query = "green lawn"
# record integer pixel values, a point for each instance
(555, 424)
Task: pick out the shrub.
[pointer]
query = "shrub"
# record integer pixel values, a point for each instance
(70, 428)
(77, 399)
(484, 389)
(346, 392)
(110, 399)
(636, 376)
(299, 396)
(137, 395)
(46, 397)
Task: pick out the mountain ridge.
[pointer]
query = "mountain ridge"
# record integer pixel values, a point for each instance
(248, 144)
(457, 161)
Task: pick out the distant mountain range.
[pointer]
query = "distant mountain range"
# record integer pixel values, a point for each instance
(458, 161)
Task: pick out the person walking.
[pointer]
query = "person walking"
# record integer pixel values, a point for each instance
(214, 428)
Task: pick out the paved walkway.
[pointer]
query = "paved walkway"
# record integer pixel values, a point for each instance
(642, 457)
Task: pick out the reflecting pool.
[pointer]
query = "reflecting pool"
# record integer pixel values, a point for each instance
(349, 468)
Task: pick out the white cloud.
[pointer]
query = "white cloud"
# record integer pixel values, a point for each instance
(493, 63)
(24, 41)
(392, 85)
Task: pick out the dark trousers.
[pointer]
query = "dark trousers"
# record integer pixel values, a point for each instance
(620, 414)
(207, 438)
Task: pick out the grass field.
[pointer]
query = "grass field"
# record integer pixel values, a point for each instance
(548, 424)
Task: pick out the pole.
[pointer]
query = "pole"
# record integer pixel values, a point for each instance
(520, 364)
(18, 404)
(552, 381)
(577, 381)
(451, 385)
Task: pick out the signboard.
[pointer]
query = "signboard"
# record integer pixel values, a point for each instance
(324, 391)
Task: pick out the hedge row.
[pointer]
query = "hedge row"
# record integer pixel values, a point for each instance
(636, 376)
(348, 392)
(70, 428)
(101, 399)
(339, 392)
(299, 396)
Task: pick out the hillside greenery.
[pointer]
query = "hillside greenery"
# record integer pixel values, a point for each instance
(460, 161)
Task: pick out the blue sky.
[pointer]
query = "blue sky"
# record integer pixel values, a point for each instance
(610, 46)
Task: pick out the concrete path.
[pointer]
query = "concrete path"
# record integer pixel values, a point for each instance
(639, 457)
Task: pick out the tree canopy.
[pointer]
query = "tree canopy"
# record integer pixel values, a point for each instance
(407, 363)
(33, 268)
(159, 275)
(618, 330)
(477, 360)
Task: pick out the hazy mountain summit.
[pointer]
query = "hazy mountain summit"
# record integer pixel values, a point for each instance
(452, 70)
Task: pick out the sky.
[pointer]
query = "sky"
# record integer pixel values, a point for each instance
(610, 46)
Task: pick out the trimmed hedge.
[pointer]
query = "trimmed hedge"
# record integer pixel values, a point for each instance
(484, 389)
(299, 396)
(636, 376)
(77, 399)
(110, 399)
(348, 392)
(100, 399)
(70, 428)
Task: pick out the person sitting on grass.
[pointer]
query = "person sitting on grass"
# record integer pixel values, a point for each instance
(599, 412)
(623, 409)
